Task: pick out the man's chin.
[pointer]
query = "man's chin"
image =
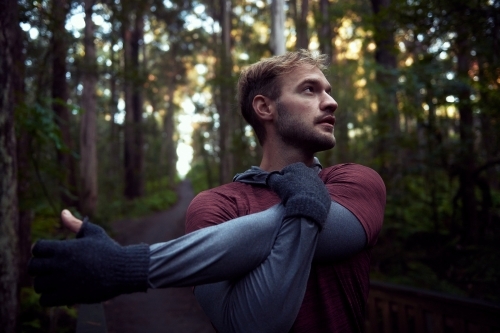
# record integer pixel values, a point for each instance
(325, 145)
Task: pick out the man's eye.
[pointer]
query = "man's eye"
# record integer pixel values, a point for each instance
(310, 89)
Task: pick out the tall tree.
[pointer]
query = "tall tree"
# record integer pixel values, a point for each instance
(387, 112)
(134, 155)
(68, 181)
(324, 26)
(9, 269)
(300, 18)
(225, 88)
(24, 182)
(88, 127)
(278, 43)
(467, 164)
(325, 29)
(115, 82)
(169, 151)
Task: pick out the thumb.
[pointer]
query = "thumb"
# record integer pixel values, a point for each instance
(70, 222)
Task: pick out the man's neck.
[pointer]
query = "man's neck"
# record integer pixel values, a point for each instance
(274, 161)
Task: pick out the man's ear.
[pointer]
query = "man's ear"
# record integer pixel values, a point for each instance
(264, 107)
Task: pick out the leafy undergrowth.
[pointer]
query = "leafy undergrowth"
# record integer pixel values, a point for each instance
(37, 319)
(439, 261)
(121, 208)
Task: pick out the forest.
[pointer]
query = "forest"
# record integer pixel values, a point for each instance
(107, 104)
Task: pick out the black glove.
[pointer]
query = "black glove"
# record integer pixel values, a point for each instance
(89, 269)
(302, 192)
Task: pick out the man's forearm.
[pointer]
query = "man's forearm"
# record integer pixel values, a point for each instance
(277, 285)
(222, 252)
(233, 248)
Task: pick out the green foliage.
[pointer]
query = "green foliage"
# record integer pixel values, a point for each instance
(45, 226)
(36, 126)
(35, 319)
(38, 121)
(152, 203)
(419, 244)
(198, 177)
(160, 196)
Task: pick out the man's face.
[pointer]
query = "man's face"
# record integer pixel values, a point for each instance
(305, 110)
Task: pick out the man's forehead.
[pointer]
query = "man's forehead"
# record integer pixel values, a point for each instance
(304, 73)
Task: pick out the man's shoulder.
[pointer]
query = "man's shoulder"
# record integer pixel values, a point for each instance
(348, 168)
(220, 195)
(362, 191)
(226, 202)
(352, 173)
(224, 192)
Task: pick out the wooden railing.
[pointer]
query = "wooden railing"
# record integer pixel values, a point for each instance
(391, 309)
(397, 309)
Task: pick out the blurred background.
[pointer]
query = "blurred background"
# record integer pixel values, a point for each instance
(106, 105)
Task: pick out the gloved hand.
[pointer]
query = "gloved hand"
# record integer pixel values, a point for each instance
(89, 269)
(302, 192)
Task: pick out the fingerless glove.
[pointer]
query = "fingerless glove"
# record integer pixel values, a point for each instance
(302, 192)
(89, 269)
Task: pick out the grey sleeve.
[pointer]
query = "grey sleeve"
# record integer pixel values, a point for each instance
(263, 265)
(222, 252)
(342, 236)
(232, 249)
(276, 286)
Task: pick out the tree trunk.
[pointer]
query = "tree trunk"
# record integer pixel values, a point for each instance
(88, 128)
(490, 135)
(24, 183)
(207, 161)
(326, 30)
(134, 182)
(59, 103)
(278, 43)
(114, 147)
(338, 82)
(168, 128)
(466, 162)
(225, 90)
(301, 24)
(387, 112)
(9, 248)
(129, 165)
(138, 150)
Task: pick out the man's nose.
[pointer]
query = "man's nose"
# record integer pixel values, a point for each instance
(329, 104)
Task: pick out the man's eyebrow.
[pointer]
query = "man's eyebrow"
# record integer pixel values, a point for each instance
(315, 82)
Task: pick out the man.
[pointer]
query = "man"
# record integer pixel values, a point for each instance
(279, 249)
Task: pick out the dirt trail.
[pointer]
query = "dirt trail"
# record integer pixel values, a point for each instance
(172, 310)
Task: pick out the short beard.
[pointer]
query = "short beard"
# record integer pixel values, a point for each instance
(291, 132)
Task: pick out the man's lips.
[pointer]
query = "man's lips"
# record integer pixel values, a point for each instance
(327, 120)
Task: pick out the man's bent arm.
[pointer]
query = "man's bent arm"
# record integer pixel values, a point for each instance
(231, 249)
(277, 285)
(221, 252)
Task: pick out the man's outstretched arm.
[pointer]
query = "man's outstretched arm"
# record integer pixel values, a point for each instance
(223, 252)
(213, 254)
(231, 249)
